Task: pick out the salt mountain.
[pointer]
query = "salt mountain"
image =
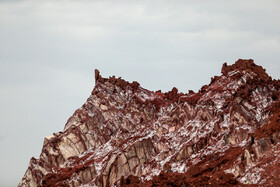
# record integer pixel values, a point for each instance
(124, 135)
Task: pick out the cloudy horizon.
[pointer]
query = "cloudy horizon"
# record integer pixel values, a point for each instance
(49, 50)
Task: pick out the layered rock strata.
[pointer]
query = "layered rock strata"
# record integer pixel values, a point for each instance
(124, 135)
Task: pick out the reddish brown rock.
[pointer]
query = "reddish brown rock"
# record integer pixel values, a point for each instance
(227, 134)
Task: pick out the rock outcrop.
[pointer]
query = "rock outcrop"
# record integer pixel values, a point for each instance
(124, 135)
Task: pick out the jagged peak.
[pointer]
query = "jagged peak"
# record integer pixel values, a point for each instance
(115, 81)
(246, 65)
(211, 137)
(97, 75)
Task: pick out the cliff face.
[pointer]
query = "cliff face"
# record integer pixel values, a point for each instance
(125, 135)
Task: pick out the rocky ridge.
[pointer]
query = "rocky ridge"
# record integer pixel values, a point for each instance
(124, 135)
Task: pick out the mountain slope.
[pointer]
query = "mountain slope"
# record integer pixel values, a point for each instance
(227, 133)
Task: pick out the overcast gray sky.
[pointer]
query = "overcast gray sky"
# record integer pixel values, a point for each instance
(49, 50)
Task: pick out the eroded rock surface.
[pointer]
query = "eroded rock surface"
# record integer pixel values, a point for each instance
(124, 135)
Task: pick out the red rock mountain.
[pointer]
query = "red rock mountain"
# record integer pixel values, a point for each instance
(124, 135)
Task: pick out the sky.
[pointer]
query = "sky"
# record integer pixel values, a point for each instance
(49, 50)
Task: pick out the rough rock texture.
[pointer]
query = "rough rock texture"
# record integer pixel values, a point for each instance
(226, 134)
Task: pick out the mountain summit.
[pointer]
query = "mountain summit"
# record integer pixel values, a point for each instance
(124, 135)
